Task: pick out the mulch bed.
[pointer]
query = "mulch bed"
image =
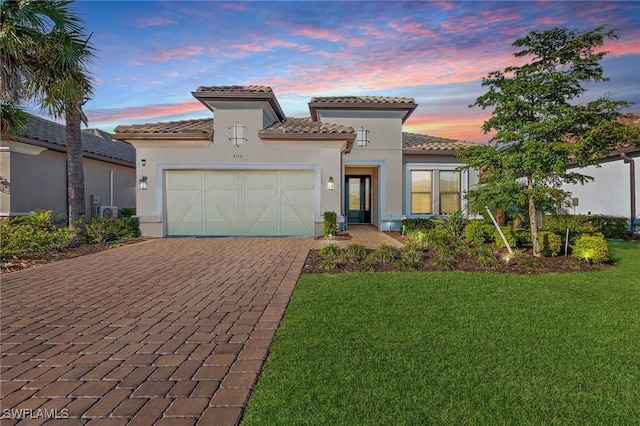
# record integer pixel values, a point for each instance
(30, 260)
(527, 264)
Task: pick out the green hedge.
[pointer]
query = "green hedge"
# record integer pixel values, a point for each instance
(610, 227)
(127, 211)
(25, 237)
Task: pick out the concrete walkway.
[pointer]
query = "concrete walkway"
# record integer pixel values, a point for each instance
(367, 235)
(167, 332)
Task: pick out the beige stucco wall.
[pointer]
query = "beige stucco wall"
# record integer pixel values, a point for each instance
(40, 182)
(5, 177)
(384, 153)
(323, 158)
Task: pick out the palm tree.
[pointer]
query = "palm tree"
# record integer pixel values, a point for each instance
(45, 55)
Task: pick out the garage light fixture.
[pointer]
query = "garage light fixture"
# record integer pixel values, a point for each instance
(330, 184)
(142, 183)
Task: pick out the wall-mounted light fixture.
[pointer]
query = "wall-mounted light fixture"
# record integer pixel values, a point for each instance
(237, 133)
(362, 137)
(142, 183)
(330, 184)
(4, 184)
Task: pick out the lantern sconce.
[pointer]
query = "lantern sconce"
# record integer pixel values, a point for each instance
(237, 131)
(330, 184)
(362, 137)
(142, 183)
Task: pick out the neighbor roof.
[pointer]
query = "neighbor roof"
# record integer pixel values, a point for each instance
(239, 93)
(50, 135)
(383, 103)
(417, 143)
(193, 129)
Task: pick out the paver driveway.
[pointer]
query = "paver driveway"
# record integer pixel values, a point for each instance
(170, 331)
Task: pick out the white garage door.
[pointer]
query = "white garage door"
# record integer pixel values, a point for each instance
(265, 203)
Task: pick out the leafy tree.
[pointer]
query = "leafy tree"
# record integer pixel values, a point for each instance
(539, 127)
(45, 55)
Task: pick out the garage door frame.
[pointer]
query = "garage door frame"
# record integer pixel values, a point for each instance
(163, 168)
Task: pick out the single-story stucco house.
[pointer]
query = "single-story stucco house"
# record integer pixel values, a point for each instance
(251, 170)
(33, 171)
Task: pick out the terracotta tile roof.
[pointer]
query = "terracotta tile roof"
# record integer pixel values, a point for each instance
(414, 142)
(198, 126)
(361, 100)
(383, 103)
(210, 94)
(306, 126)
(53, 136)
(235, 89)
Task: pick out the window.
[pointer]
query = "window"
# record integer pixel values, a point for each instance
(421, 188)
(362, 137)
(449, 191)
(433, 191)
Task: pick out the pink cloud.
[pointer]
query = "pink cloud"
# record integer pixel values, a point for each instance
(178, 52)
(155, 21)
(319, 34)
(414, 28)
(149, 112)
(550, 20)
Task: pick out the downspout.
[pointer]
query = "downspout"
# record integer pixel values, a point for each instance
(110, 187)
(632, 186)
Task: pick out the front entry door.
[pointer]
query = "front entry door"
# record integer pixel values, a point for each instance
(358, 193)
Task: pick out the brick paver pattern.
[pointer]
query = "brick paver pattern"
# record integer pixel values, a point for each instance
(169, 331)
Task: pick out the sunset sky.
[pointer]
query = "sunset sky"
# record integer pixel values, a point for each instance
(152, 54)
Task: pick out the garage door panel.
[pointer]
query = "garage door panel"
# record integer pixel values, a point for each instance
(184, 180)
(261, 203)
(222, 180)
(222, 208)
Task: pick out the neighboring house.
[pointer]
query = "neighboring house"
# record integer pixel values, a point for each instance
(614, 188)
(616, 181)
(33, 170)
(254, 171)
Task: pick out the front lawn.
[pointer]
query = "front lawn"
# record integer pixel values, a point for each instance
(457, 348)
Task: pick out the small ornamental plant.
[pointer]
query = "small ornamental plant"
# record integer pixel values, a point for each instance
(592, 249)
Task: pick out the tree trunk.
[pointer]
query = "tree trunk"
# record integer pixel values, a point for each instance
(501, 217)
(75, 167)
(532, 219)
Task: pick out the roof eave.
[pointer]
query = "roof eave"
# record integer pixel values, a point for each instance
(270, 97)
(426, 151)
(315, 106)
(307, 136)
(162, 136)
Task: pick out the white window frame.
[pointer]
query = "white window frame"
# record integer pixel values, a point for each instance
(435, 194)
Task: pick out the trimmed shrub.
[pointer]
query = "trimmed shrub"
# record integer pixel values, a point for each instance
(509, 234)
(478, 232)
(329, 226)
(592, 248)
(417, 224)
(108, 230)
(412, 253)
(127, 211)
(550, 243)
(610, 227)
(26, 237)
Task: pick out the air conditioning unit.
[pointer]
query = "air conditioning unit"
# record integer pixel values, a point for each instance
(108, 212)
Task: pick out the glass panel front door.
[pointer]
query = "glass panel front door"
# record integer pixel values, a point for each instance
(358, 199)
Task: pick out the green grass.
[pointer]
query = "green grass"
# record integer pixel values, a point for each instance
(457, 348)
